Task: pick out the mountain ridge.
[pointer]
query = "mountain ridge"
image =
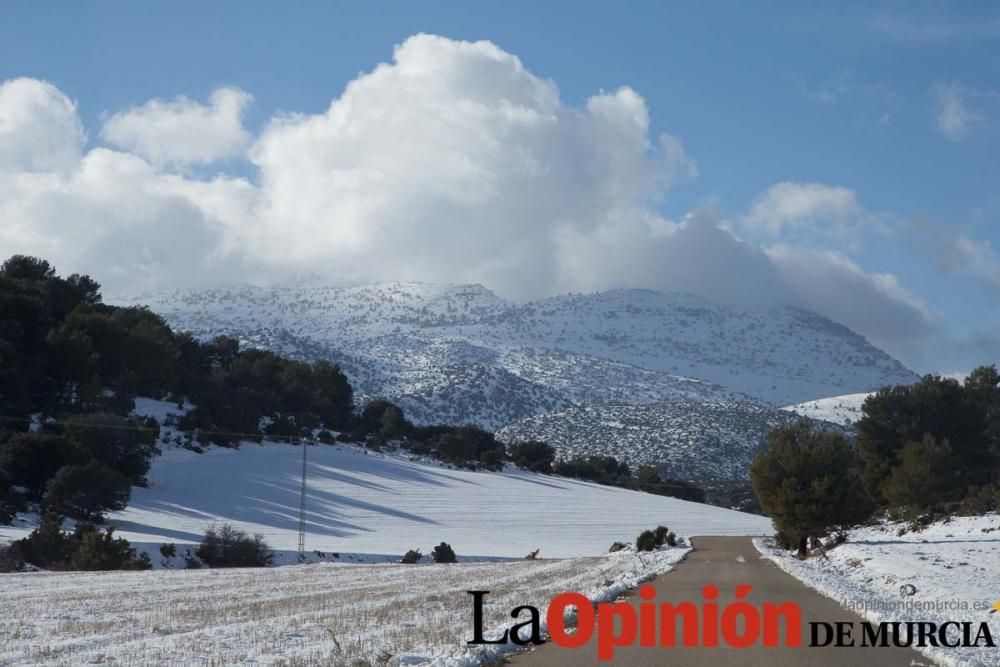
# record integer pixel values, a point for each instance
(691, 377)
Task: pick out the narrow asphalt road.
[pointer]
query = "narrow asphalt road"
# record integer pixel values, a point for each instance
(728, 562)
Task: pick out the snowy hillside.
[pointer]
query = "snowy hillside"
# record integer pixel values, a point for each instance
(460, 353)
(366, 503)
(949, 571)
(837, 409)
(684, 440)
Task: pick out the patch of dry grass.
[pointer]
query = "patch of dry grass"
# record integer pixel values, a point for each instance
(295, 616)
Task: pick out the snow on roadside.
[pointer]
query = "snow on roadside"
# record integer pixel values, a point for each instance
(953, 565)
(304, 615)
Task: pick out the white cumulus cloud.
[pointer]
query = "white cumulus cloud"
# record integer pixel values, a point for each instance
(183, 131)
(789, 204)
(39, 128)
(452, 162)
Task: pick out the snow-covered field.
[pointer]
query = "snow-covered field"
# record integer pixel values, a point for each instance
(322, 614)
(368, 506)
(844, 409)
(363, 507)
(953, 567)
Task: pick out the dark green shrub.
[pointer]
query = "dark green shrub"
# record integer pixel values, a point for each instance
(980, 500)
(96, 550)
(47, 546)
(443, 553)
(124, 445)
(226, 546)
(11, 558)
(463, 446)
(86, 548)
(646, 541)
(10, 500)
(532, 455)
(87, 491)
(600, 469)
(411, 557)
(31, 460)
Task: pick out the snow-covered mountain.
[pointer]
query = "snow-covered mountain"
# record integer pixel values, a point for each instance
(461, 354)
(462, 349)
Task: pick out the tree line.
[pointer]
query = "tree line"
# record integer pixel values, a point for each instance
(71, 365)
(929, 448)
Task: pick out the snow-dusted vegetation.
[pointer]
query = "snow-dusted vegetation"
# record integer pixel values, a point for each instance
(323, 614)
(684, 440)
(947, 571)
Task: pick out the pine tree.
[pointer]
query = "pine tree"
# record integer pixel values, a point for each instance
(807, 481)
(926, 475)
(87, 491)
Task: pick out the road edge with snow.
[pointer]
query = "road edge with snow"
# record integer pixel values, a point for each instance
(840, 590)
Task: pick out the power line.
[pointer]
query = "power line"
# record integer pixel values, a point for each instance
(304, 441)
(302, 506)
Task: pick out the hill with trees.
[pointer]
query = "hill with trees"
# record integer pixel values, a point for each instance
(71, 367)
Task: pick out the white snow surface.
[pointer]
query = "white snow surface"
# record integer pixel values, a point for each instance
(307, 615)
(953, 565)
(368, 506)
(844, 410)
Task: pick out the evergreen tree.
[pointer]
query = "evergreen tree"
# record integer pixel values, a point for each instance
(924, 476)
(93, 549)
(807, 481)
(126, 445)
(87, 491)
(30, 460)
(935, 406)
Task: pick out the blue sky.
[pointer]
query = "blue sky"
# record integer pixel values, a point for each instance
(897, 103)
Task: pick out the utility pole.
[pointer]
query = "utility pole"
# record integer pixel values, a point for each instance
(302, 505)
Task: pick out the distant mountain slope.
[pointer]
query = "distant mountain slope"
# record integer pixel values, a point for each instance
(715, 441)
(461, 352)
(844, 409)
